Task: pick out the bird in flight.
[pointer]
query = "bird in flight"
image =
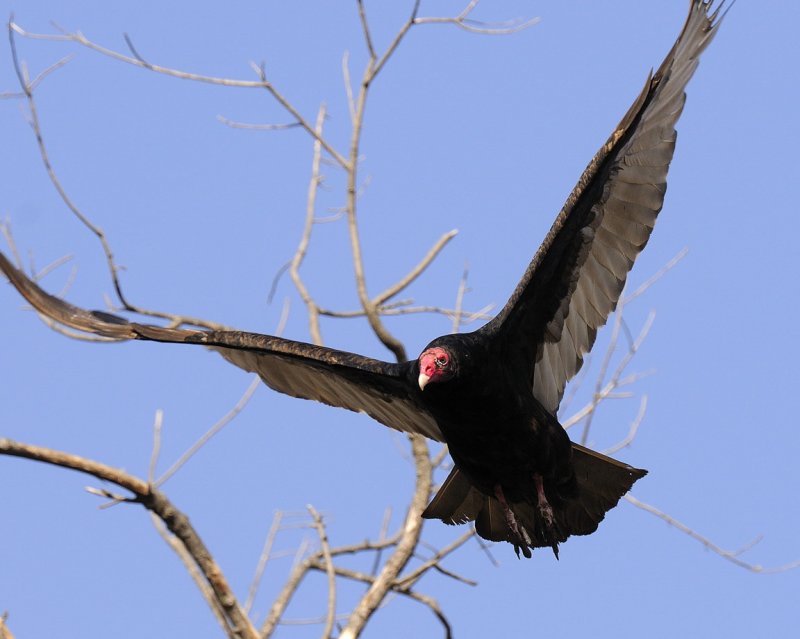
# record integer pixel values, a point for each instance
(493, 395)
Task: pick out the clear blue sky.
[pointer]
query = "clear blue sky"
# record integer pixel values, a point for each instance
(483, 134)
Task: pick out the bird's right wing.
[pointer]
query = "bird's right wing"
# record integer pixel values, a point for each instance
(575, 279)
(336, 378)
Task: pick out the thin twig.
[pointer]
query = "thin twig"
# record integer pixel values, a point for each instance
(415, 272)
(387, 517)
(463, 21)
(439, 458)
(27, 87)
(408, 581)
(302, 121)
(235, 124)
(377, 66)
(157, 423)
(53, 67)
(218, 426)
(403, 590)
(362, 15)
(466, 317)
(302, 566)
(632, 432)
(263, 559)
(607, 391)
(325, 549)
(726, 554)
(644, 286)
(281, 602)
(348, 86)
(5, 229)
(305, 238)
(459, 305)
(261, 83)
(44, 272)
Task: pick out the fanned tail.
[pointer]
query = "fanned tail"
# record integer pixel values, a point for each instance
(601, 482)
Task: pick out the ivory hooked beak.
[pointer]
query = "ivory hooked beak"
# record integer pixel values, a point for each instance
(423, 380)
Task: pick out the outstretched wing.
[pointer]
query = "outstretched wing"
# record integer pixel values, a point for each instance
(576, 277)
(332, 377)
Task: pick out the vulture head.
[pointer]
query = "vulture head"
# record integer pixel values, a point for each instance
(435, 365)
(450, 358)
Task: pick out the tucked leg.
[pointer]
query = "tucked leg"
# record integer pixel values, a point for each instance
(523, 540)
(546, 511)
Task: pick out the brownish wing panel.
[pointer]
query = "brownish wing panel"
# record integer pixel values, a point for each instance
(332, 377)
(575, 279)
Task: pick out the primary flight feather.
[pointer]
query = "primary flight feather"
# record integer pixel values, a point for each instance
(493, 395)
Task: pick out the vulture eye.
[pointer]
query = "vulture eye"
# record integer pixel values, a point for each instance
(441, 361)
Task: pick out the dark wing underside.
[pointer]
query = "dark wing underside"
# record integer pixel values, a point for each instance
(341, 379)
(576, 277)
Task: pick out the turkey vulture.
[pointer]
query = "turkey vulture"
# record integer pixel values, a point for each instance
(492, 395)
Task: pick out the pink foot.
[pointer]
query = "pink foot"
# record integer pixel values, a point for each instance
(523, 541)
(546, 511)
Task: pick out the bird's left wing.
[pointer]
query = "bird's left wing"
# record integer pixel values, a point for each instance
(576, 277)
(336, 378)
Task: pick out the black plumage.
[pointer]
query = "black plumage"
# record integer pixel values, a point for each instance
(493, 395)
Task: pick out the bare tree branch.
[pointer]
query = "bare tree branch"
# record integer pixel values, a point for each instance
(191, 567)
(424, 263)
(373, 68)
(325, 549)
(157, 503)
(409, 580)
(5, 633)
(226, 419)
(157, 423)
(608, 389)
(463, 21)
(27, 87)
(261, 83)
(396, 308)
(234, 124)
(348, 86)
(403, 590)
(405, 547)
(632, 432)
(376, 66)
(302, 248)
(406, 544)
(387, 517)
(645, 286)
(731, 556)
(459, 305)
(365, 28)
(281, 602)
(263, 559)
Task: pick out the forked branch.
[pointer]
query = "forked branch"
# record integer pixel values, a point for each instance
(238, 624)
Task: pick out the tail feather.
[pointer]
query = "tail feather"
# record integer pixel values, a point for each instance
(456, 502)
(491, 521)
(601, 482)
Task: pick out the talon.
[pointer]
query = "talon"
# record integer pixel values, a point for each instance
(546, 511)
(523, 539)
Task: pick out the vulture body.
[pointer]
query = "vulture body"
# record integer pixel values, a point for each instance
(493, 395)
